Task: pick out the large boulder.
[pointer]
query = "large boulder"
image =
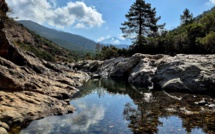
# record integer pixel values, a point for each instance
(87, 65)
(195, 73)
(142, 74)
(119, 67)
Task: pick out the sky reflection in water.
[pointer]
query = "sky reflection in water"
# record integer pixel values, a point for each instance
(111, 107)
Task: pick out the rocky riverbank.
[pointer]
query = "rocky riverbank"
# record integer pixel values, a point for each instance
(187, 73)
(31, 88)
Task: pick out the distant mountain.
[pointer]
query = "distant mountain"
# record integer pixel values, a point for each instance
(67, 40)
(119, 43)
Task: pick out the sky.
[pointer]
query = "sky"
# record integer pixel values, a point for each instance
(99, 19)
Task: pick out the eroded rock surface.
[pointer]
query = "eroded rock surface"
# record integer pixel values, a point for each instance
(189, 73)
(31, 88)
(36, 89)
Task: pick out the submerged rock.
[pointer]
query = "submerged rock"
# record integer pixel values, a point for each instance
(211, 106)
(147, 97)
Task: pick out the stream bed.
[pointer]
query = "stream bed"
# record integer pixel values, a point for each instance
(110, 107)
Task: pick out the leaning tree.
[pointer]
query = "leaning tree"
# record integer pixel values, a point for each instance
(142, 22)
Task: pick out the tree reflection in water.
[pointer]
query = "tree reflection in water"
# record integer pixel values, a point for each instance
(145, 115)
(107, 106)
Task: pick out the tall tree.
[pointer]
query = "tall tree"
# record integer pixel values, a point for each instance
(142, 21)
(186, 17)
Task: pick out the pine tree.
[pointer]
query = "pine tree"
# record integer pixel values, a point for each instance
(142, 21)
(187, 17)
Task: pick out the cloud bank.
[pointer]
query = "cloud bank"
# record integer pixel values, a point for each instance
(76, 14)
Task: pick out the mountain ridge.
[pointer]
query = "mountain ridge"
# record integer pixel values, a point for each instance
(67, 40)
(118, 43)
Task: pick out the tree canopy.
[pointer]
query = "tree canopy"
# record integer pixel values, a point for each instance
(142, 22)
(187, 17)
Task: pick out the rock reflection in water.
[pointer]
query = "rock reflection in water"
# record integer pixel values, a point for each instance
(106, 106)
(177, 111)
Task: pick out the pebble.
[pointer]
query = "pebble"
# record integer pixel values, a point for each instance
(202, 102)
(211, 106)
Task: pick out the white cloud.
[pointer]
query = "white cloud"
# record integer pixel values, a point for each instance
(212, 1)
(76, 14)
(80, 121)
(103, 38)
(115, 42)
(80, 25)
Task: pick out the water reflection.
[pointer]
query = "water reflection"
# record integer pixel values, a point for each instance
(177, 111)
(106, 106)
(86, 117)
(78, 122)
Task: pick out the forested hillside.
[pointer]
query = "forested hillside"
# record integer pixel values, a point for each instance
(67, 40)
(193, 36)
(36, 44)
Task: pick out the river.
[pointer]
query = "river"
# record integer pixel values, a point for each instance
(111, 107)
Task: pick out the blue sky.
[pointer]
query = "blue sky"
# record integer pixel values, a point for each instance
(99, 19)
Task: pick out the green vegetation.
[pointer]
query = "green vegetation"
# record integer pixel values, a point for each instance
(111, 51)
(193, 36)
(142, 22)
(47, 50)
(72, 42)
(187, 17)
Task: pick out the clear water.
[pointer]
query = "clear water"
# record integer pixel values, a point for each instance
(109, 107)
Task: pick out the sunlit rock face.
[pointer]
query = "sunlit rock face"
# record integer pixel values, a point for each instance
(35, 90)
(195, 73)
(31, 88)
(189, 73)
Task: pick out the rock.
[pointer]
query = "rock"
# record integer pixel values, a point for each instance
(143, 73)
(95, 76)
(211, 105)
(3, 130)
(87, 65)
(203, 102)
(187, 73)
(70, 109)
(4, 125)
(147, 97)
(171, 110)
(32, 88)
(124, 67)
(183, 110)
(28, 94)
(175, 84)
